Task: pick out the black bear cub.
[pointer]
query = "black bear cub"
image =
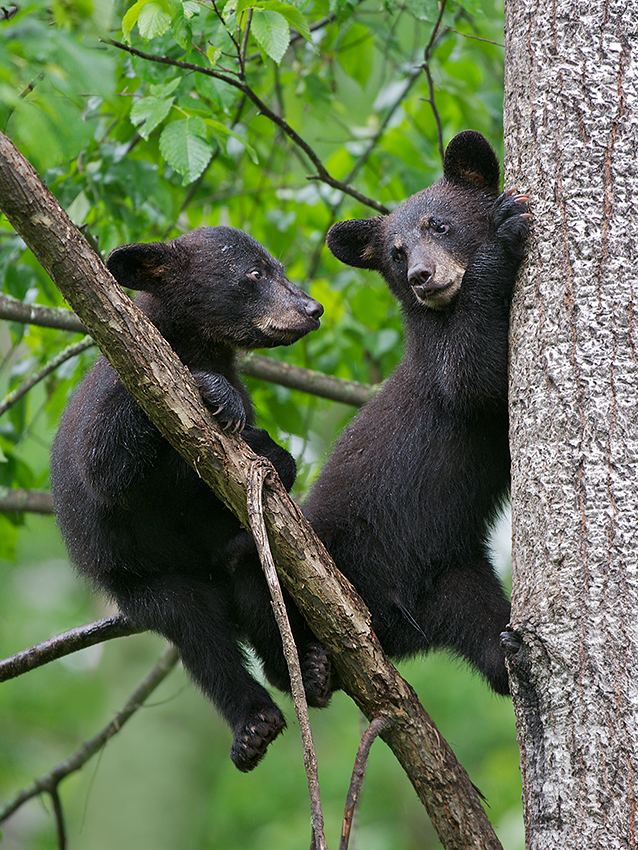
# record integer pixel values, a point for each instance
(405, 502)
(135, 516)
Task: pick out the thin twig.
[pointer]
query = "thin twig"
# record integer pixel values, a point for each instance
(322, 174)
(428, 73)
(259, 470)
(58, 813)
(49, 782)
(64, 644)
(244, 44)
(475, 37)
(60, 358)
(376, 727)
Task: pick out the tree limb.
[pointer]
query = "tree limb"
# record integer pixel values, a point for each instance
(33, 501)
(64, 644)
(168, 395)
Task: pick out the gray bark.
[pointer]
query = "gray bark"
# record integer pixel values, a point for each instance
(571, 129)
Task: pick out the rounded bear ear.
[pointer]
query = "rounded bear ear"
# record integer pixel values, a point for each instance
(140, 265)
(357, 242)
(470, 160)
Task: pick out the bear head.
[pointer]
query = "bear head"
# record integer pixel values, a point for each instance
(425, 245)
(217, 287)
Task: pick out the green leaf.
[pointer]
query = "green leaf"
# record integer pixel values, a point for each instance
(153, 21)
(184, 147)
(130, 19)
(474, 7)
(292, 15)
(220, 130)
(150, 112)
(272, 33)
(213, 54)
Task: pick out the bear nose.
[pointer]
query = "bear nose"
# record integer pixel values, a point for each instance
(314, 309)
(421, 274)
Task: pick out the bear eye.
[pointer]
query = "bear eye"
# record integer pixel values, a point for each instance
(439, 226)
(255, 274)
(398, 255)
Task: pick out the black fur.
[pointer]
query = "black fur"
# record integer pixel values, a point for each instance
(135, 516)
(405, 502)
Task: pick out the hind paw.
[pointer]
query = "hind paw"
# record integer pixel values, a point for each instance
(316, 670)
(252, 739)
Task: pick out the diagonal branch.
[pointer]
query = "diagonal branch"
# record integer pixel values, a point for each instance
(168, 395)
(66, 354)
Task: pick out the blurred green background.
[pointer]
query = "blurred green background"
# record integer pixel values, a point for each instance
(112, 136)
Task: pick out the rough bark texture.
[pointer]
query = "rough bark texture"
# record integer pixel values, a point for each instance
(164, 389)
(571, 131)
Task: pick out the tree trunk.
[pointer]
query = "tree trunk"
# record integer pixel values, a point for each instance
(571, 129)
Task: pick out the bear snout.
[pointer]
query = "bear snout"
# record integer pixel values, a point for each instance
(421, 275)
(314, 309)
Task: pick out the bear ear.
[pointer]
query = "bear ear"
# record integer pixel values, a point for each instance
(140, 265)
(357, 242)
(470, 160)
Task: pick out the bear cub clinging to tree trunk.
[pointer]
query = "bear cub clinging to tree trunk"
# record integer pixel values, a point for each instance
(136, 517)
(406, 500)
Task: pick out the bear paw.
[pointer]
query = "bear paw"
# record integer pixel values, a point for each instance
(513, 220)
(316, 671)
(252, 739)
(224, 401)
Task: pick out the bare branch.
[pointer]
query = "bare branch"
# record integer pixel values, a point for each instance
(36, 314)
(64, 644)
(33, 501)
(60, 358)
(50, 781)
(377, 725)
(259, 469)
(307, 380)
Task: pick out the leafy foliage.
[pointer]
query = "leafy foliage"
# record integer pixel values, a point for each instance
(138, 149)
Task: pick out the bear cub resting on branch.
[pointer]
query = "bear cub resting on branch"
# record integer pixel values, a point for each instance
(405, 502)
(136, 517)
